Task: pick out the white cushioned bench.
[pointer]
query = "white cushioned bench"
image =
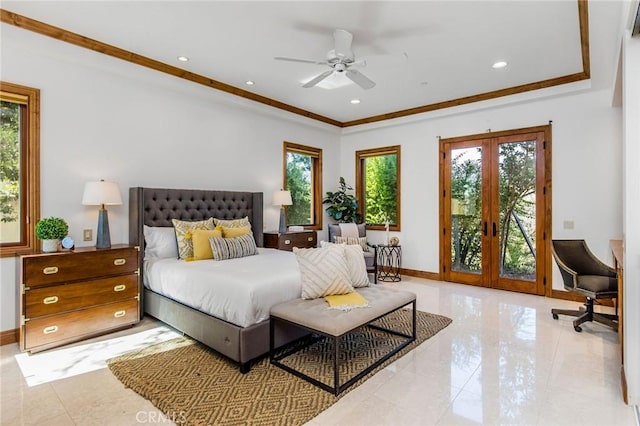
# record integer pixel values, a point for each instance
(316, 317)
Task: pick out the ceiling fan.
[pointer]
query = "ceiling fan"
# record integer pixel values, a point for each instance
(340, 59)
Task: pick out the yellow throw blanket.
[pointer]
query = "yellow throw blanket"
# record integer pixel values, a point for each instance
(346, 302)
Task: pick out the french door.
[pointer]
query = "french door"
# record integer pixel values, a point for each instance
(495, 210)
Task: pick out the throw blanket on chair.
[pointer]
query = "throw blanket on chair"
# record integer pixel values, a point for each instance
(349, 230)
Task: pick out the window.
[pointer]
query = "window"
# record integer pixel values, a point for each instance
(19, 167)
(303, 178)
(378, 186)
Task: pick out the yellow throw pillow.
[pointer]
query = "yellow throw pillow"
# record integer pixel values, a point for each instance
(235, 232)
(201, 245)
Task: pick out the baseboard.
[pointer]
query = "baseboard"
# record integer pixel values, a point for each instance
(623, 380)
(574, 297)
(8, 336)
(420, 274)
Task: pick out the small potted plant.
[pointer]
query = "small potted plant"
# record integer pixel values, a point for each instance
(50, 230)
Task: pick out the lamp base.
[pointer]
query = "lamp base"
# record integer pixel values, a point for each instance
(103, 239)
(283, 224)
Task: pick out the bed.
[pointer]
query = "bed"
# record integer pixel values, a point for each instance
(156, 207)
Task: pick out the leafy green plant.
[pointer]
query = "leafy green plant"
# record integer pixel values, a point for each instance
(51, 228)
(343, 207)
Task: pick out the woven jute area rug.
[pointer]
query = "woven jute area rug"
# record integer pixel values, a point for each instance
(192, 384)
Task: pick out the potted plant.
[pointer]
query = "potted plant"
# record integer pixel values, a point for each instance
(50, 230)
(343, 207)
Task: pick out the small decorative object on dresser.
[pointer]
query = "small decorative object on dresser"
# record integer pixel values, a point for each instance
(69, 296)
(394, 241)
(50, 230)
(289, 240)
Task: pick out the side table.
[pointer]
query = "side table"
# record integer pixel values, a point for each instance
(389, 259)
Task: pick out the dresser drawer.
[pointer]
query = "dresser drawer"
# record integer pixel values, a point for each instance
(290, 240)
(75, 266)
(61, 298)
(79, 324)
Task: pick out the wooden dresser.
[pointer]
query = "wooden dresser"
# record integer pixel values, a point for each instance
(69, 296)
(289, 240)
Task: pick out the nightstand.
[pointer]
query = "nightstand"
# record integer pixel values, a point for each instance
(72, 295)
(289, 240)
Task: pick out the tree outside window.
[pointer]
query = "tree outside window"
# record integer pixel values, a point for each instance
(19, 167)
(303, 178)
(378, 186)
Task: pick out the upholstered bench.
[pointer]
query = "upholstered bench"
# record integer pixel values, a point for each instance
(315, 317)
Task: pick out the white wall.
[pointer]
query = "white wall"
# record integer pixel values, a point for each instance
(631, 213)
(586, 163)
(105, 118)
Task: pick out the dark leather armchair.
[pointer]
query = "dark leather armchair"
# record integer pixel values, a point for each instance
(370, 257)
(585, 274)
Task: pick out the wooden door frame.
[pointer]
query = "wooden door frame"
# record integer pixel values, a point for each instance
(545, 164)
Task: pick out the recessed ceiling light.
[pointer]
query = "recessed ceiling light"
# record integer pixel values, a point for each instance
(249, 83)
(499, 64)
(355, 101)
(183, 59)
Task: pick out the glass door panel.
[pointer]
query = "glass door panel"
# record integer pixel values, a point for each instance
(466, 210)
(517, 210)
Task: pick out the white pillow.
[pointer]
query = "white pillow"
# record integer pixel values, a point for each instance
(324, 272)
(160, 242)
(355, 263)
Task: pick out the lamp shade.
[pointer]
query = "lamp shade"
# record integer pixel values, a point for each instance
(282, 198)
(101, 192)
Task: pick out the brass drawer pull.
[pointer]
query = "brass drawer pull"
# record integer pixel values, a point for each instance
(49, 300)
(50, 329)
(120, 287)
(118, 314)
(309, 238)
(50, 270)
(287, 241)
(119, 262)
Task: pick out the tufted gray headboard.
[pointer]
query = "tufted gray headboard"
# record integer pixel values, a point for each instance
(157, 206)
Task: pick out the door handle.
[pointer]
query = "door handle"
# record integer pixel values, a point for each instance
(484, 228)
(495, 229)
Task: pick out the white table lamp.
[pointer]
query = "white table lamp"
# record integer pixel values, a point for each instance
(102, 194)
(282, 198)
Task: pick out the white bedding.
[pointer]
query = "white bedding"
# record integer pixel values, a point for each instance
(240, 291)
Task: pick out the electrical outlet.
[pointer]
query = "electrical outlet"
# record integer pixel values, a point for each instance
(87, 234)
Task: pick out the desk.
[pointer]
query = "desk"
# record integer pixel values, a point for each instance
(618, 255)
(389, 258)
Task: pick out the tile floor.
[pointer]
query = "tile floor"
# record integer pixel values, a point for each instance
(504, 360)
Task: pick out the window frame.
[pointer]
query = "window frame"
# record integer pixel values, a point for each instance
(29, 166)
(316, 173)
(361, 156)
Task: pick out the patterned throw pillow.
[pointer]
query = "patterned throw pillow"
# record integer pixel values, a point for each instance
(233, 223)
(231, 248)
(324, 272)
(183, 234)
(355, 263)
(201, 245)
(361, 241)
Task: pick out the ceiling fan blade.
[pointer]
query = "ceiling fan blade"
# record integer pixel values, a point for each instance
(317, 79)
(304, 61)
(360, 79)
(342, 46)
